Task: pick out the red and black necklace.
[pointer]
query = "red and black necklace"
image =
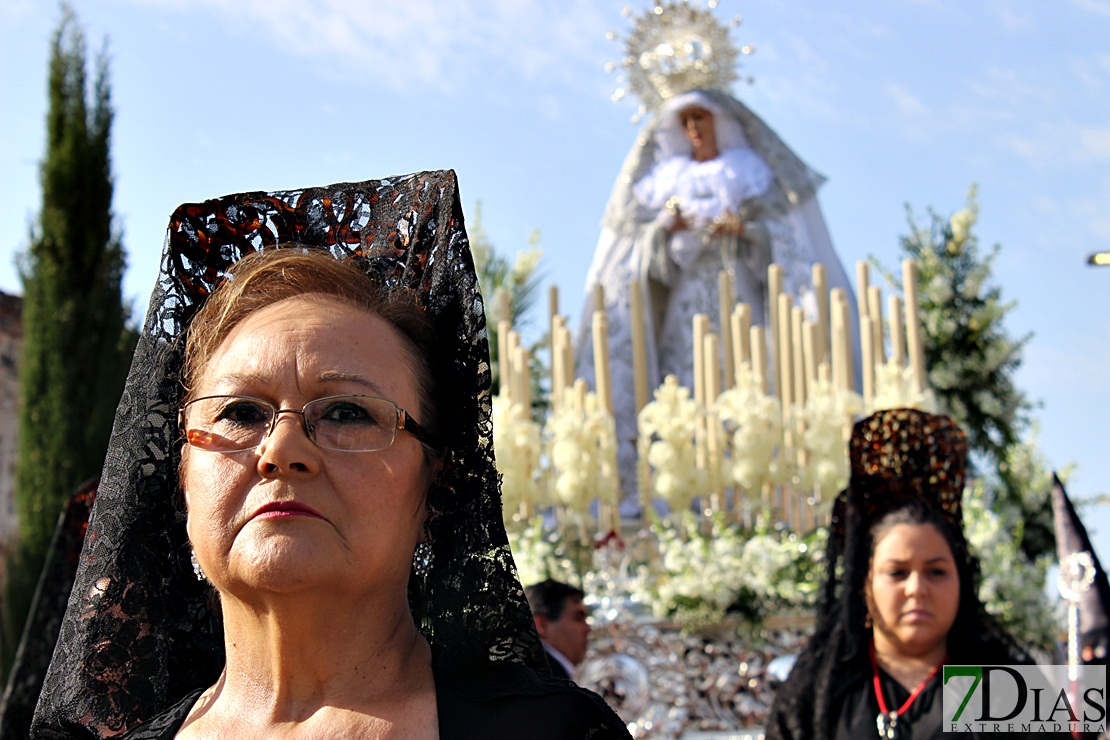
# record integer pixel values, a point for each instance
(887, 721)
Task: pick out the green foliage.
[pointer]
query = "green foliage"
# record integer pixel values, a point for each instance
(77, 346)
(972, 361)
(1012, 583)
(518, 281)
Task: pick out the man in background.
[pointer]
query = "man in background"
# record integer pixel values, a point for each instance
(561, 621)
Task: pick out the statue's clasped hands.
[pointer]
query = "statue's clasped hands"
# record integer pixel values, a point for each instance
(728, 223)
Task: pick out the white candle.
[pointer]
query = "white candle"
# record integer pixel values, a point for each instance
(504, 359)
(726, 302)
(863, 282)
(759, 359)
(809, 348)
(797, 350)
(568, 356)
(897, 334)
(599, 297)
(558, 375)
(711, 365)
(875, 312)
(513, 377)
(712, 391)
(639, 346)
(838, 338)
(601, 360)
(915, 337)
(774, 289)
(867, 352)
(552, 320)
(522, 362)
(839, 299)
(821, 289)
(785, 369)
(741, 337)
(580, 391)
(701, 328)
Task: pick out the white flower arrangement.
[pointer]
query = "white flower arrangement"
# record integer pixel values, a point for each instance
(667, 430)
(1011, 587)
(540, 554)
(755, 420)
(517, 445)
(895, 389)
(826, 422)
(703, 573)
(582, 448)
(697, 569)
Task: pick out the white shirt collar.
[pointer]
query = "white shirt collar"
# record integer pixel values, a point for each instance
(563, 660)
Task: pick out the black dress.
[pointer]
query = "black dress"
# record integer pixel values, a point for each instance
(922, 720)
(545, 709)
(858, 710)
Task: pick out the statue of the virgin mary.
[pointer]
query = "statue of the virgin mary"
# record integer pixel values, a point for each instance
(707, 187)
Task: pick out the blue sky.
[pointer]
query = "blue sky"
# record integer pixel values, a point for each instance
(896, 101)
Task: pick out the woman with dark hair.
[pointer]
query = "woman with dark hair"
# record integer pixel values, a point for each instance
(299, 528)
(901, 592)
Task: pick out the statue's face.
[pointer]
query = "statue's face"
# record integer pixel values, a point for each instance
(697, 122)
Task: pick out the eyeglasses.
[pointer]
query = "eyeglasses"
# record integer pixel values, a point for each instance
(345, 423)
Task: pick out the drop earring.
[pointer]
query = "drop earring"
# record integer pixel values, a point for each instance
(422, 559)
(196, 566)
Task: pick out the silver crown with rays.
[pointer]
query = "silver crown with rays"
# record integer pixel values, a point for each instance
(675, 47)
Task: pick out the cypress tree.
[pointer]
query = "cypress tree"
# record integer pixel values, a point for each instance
(77, 344)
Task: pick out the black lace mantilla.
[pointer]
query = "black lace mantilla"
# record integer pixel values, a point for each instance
(138, 633)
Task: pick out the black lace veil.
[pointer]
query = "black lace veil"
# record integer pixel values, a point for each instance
(139, 633)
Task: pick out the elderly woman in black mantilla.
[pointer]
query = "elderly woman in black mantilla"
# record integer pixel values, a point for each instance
(900, 598)
(299, 532)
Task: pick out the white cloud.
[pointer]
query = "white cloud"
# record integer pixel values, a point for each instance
(906, 102)
(1093, 72)
(1098, 7)
(423, 42)
(916, 120)
(18, 8)
(1054, 144)
(1008, 88)
(1046, 205)
(1095, 141)
(1024, 146)
(1010, 18)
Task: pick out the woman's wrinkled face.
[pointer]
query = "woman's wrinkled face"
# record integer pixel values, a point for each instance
(288, 514)
(697, 122)
(913, 589)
